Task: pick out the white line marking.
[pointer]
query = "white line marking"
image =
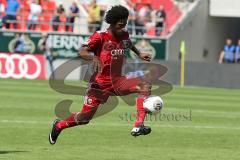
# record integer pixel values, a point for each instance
(129, 124)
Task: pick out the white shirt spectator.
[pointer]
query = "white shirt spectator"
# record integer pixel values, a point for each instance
(35, 11)
(2, 9)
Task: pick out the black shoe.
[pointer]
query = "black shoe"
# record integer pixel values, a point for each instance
(55, 133)
(141, 130)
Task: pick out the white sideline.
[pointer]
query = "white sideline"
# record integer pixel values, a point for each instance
(128, 124)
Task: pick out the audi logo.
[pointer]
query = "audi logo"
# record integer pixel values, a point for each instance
(19, 66)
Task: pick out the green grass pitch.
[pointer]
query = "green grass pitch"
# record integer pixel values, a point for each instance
(196, 124)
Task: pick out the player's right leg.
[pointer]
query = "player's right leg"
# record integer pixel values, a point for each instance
(95, 96)
(79, 118)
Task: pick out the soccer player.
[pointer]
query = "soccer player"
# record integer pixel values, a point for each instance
(106, 49)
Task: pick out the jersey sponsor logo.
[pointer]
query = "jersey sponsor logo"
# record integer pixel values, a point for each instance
(118, 52)
(117, 49)
(21, 66)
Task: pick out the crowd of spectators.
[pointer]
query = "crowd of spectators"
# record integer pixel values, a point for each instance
(67, 20)
(230, 52)
(142, 16)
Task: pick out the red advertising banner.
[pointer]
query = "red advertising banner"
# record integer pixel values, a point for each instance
(22, 66)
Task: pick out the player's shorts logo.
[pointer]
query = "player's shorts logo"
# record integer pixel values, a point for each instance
(18, 66)
(88, 101)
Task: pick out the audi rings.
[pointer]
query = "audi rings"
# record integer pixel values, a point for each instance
(10, 63)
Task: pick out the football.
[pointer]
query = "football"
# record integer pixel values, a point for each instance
(153, 104)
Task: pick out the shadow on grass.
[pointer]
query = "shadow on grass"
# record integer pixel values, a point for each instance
(9, 152)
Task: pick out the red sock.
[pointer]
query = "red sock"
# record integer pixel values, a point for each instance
(66, 123)
(78, 118)
(141, 113)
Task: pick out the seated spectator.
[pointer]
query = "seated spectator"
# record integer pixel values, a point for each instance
(11, 13)
(56, 21)
(237, 52)
(160, 18)
(227, 55)
(94, 19)
(74, 12)
(35, 11)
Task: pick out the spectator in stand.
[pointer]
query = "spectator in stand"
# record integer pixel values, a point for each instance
(160, 18)
(142, 18)
(150, 18)
(227, 55)
(56, 21)
(148, 13)
(2, 11)
(237, 52)
(74, 12)
(94, 19)
(132, 17)
(11, 13)
(104, 4)
(35, 11)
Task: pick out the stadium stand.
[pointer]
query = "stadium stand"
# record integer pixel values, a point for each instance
(49, 7)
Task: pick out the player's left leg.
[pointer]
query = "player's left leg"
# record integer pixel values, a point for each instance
(144, 90)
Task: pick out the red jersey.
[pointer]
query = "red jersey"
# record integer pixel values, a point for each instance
(112, 53)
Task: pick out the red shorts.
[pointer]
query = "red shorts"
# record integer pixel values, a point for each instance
(120, 86)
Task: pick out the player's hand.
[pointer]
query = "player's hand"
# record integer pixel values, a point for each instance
(145, 56)
(97, 64)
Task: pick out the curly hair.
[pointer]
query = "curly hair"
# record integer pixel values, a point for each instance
(115, 14)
